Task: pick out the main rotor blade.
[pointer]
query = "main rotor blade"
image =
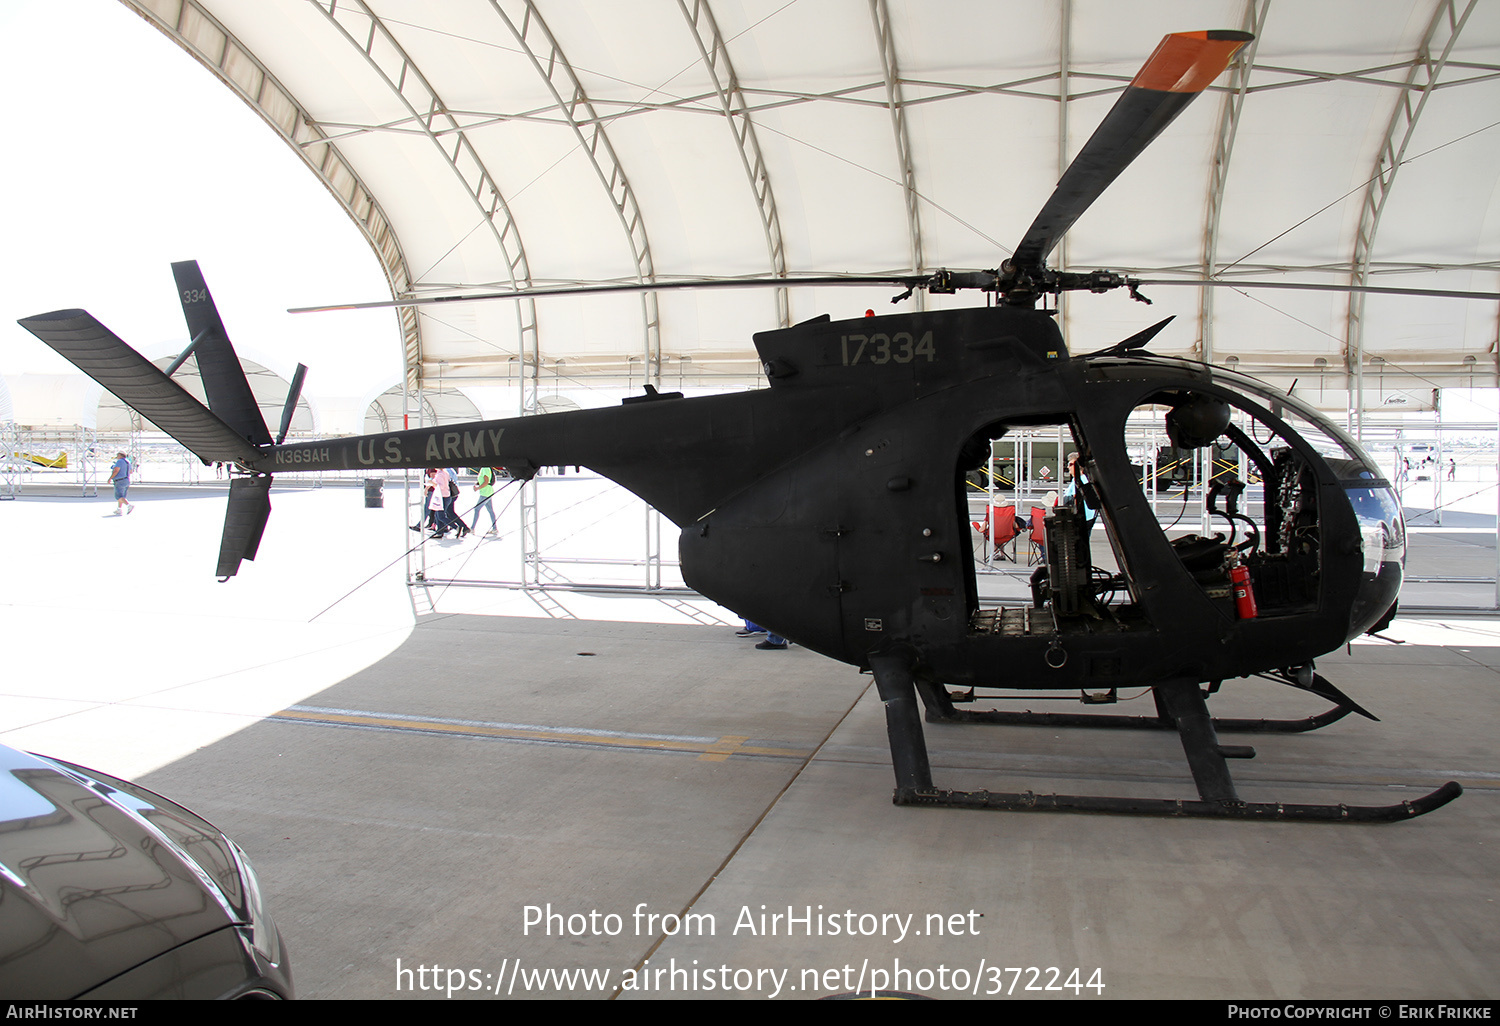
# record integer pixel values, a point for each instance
(1379, 290)
(1184, 64)
(903, 280)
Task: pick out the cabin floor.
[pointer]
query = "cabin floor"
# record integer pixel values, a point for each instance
(416, 794)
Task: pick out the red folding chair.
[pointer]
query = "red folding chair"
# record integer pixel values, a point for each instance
(1003, 531)
(999, 529)
(1038, 551)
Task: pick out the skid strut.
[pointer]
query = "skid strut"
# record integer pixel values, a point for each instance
(897, 687)
(1180, 707)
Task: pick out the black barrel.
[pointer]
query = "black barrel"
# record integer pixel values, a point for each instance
(373, 498)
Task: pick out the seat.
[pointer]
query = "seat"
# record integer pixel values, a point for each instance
(1002, 532)
(1038, 549)
(998, 528)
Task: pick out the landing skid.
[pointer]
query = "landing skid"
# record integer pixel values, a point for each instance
(1042, 719)
(1180, 706)
(1222, 809)
(940, 708)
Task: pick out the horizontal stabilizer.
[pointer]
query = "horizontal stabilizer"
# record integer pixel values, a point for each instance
(244, 523)
(91, 347)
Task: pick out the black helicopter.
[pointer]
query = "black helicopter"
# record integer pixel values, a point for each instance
(830, 507)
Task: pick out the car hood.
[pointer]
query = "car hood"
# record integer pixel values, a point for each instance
(97, 876)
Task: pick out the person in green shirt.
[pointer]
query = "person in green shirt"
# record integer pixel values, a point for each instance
(485, 486)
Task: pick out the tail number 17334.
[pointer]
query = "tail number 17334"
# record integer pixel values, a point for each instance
(902, 347)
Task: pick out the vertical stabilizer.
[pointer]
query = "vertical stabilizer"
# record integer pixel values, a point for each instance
(244, 523)
(224, 380)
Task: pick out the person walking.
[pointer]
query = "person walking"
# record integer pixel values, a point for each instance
(119, 476)
(485, 486)
(450, 503)
(437, 491)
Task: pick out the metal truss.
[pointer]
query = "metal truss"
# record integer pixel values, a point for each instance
(1064, 66)
(1442, 32)
(364, 31)
(1246, 269)
(871, 94)
(708, 103)
(1373, 76)
(897, 107)
(189, 25)
(577, 111)
(86, 445)
(1253, 22)
(875, 94)
(415, 410)
(735, 108)
(571, 99)
(10, 462)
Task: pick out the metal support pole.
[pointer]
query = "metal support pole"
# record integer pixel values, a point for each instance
(1439, 472)
(1023, 467)
(137, 460)
(990, 496)
(1203, 469)
(531, 366)
(413, 409)
(1151, 466)
(88, 441)
(1062, 464)
(1359, 389)
(531, 574)
(653, 549)
(1398, 468)
(10, 467)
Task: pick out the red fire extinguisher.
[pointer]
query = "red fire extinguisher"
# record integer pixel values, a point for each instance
(1239, 583)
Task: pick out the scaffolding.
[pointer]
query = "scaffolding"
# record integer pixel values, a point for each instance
(10, 461)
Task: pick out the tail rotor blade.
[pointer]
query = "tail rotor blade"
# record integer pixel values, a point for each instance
(80, 339)
(290, 409)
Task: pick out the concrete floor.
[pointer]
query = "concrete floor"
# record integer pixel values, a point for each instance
(409, 790)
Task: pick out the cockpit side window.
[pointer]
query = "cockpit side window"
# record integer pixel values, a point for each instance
(1032, 507)
(1247, 510)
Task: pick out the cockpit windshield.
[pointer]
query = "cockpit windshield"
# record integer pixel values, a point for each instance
(1257, 460)
(1326, 438)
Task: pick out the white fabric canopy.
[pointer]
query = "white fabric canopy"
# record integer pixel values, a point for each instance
(482, 144)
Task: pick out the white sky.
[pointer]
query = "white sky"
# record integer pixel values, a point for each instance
(125, 155)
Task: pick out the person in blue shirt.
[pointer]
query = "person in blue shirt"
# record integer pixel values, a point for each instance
(119, 476)
(1072, 498)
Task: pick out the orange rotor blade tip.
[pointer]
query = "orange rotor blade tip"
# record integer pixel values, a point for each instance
(1188, 62)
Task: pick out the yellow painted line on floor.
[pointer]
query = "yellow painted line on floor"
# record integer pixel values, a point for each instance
(722, 749)
(713, 751)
